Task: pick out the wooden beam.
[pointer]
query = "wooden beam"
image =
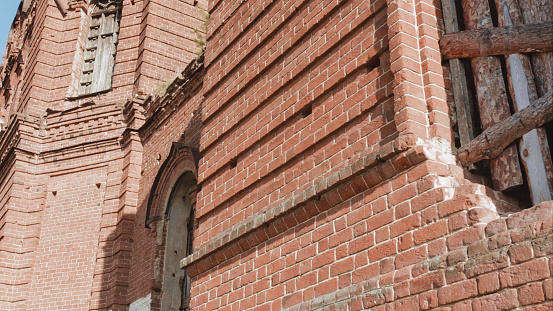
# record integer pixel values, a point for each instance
(498, 41)
(494, 139)
(533, 146)
(464, 105)
(533, 12)
(492, 98)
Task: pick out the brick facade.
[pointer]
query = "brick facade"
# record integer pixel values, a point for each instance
(320, 137)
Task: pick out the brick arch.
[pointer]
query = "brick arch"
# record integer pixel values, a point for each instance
(181, 159)
(104, 3)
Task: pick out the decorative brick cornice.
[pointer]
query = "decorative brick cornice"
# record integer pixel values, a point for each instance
(82, 121)
(160, 104)
(73, 5)
(42, 135)
(80, 150)
(11, 136)
(133, 112)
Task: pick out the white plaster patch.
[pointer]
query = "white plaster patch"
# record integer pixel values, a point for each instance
(437, 149)
(142, 304)
(447, 182)
(449, 193)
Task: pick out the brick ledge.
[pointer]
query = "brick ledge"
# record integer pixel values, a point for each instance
(210, 255)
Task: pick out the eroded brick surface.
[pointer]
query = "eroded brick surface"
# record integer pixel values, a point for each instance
(320, 137)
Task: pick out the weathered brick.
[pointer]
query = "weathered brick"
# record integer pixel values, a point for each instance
(505, 300)
(496, 226)
(523, 273)
(404, 225)
(411, 257)
(426, 282)
(411, 303)
(488, 283)
(538, 213)
(382, 250)
(462, 306)
(429, 300)
(430, 232)
(521, 252)
(458, 291)
(548, 288)
(465, 237)
(531, 294)
(543, 246)
(485, 263)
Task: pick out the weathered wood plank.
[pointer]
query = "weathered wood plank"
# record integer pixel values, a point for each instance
(533, 146)
(538, 11)
(498, 41)
(492, 98)
(533, 12)
(463, 102)
(494, 139)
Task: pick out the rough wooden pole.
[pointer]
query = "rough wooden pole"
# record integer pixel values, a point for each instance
(494, 139)
(498, 41)
(463, 101)
(492, 98)
(533, 146)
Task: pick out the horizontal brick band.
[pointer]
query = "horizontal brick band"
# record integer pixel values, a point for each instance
(207, 257)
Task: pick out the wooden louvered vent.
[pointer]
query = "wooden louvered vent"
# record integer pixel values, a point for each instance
(101, 47)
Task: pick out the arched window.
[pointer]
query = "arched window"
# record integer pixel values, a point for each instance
(101, 46)
(178, 245)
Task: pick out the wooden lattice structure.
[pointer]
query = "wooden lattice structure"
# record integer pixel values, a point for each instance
(503, 89)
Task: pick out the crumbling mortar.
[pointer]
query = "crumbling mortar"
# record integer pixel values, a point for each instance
(380, 294)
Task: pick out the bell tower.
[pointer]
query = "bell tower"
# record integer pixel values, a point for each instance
(68, 157)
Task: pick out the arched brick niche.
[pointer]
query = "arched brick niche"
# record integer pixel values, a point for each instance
(181, 159)
(170, 212)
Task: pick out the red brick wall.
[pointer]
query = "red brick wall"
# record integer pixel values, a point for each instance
(156, 42)
(328, 177)
(170, 117)
(66, 178)
(409, 243)
(166, 40)
(22, 199)
(23, 194)
(263, 128)
(68, 241)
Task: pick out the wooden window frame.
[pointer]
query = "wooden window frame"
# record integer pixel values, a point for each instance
(100, 48)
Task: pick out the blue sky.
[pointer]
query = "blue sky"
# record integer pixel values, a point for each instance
(8, 8)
